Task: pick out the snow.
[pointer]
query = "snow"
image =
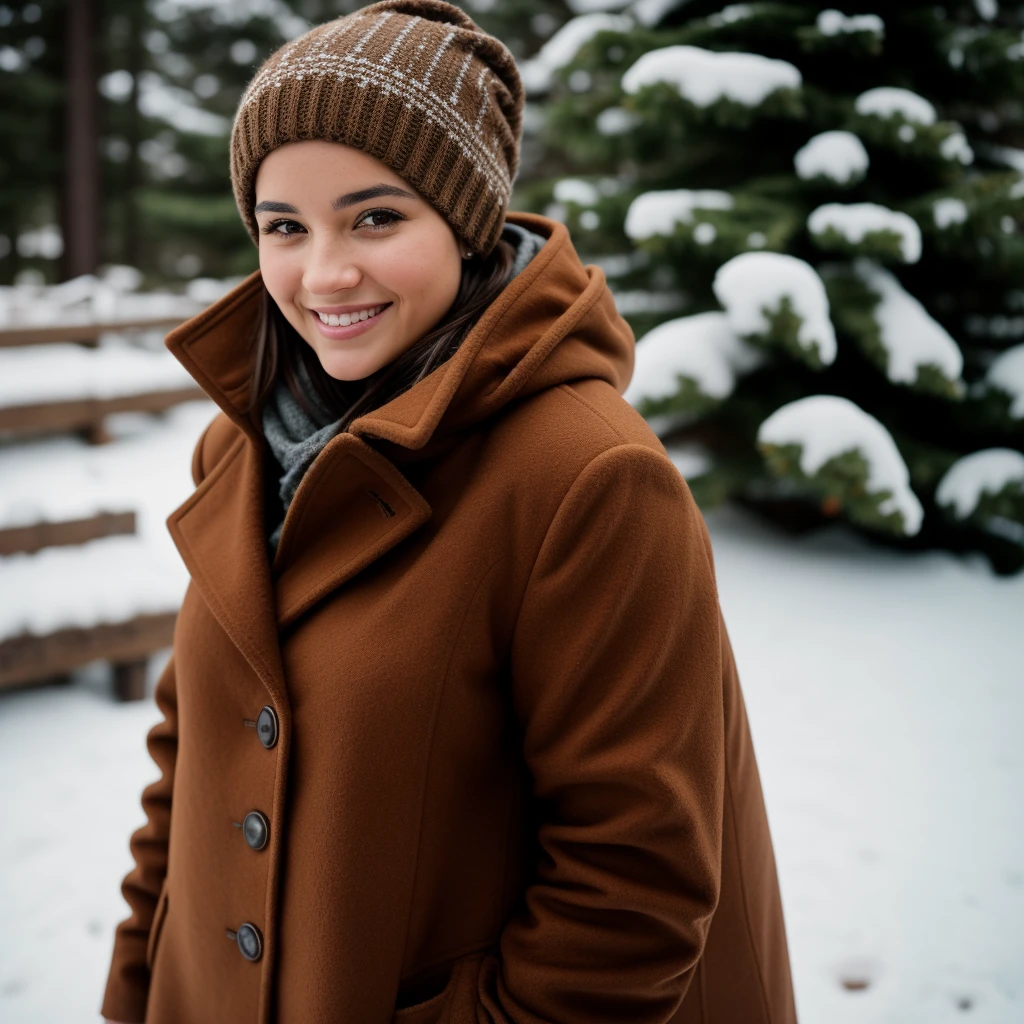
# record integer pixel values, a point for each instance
(65, 371)
(27, 494)
(658, 213)
(838, 155)
(705, 233)
(45, 241)
(146, 468)
(107, 298)
(704, 77)
(590, 6)
(576, 190)
(854, 221)
(537, 74)
(236, 13)
(949, 210)
(833, 23)
(987, 471)
(825, 426)
(177, 107)
(1007, 373)
(730, 15)
(617, 121)
(691, 459)
(60, 587)
(909, 334)
(956, 147)
(752, 283)
(886, 101)
(650, 12)
(641, 301)
(881, 690)
(703, 348)
(1009, 156)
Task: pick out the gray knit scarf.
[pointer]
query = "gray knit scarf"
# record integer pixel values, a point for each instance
(296, 440)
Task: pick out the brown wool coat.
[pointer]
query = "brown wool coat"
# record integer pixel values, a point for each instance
(513, 781)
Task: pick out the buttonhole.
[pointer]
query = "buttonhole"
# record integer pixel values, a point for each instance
(385, 508)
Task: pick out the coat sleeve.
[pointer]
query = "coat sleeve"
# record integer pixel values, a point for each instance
(617, 687)
(128, 979)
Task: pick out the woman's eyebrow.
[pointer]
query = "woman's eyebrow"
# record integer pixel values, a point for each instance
(349, 199)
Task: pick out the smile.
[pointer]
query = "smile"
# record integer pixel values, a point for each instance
(344, 319)
(348, 325)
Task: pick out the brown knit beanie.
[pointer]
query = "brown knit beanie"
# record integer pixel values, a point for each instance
(416, 84)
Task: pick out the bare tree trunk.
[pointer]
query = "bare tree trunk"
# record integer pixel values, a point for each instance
(81, 207)
(133, 175)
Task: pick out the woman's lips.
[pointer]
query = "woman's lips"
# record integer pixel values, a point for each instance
(339, 332)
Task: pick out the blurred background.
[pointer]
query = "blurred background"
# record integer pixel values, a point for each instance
(813, 219)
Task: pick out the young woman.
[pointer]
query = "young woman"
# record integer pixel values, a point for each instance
(452, 728)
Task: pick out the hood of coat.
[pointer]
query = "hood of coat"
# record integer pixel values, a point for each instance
(555, 322)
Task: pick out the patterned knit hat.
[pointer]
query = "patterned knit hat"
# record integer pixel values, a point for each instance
(416, 84)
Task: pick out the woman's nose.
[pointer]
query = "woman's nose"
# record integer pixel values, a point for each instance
(330, 268)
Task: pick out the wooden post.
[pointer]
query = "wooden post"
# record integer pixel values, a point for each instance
(130, 680)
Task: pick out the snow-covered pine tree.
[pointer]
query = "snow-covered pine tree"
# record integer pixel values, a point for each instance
(814, 221)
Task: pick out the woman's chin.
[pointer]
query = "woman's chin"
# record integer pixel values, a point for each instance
(349, 366)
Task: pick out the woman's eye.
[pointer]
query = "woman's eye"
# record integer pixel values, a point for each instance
(272, 227)
(389, 216)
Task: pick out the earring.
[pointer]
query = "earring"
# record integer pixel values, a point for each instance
(468, 255)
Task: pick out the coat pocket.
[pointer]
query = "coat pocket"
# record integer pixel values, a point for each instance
(437, 991)
(157, 926)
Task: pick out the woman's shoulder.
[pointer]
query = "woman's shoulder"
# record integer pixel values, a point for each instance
(556, 434)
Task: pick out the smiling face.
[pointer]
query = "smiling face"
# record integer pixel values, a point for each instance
(342, 237)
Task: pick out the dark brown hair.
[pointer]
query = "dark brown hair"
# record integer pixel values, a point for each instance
(277, 348)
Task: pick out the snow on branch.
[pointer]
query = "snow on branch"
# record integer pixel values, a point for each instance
(834, 23)
(829, 427)
(990, 471)
(910, 336)
(771, 297)
(887, 101)
(1006, 374)
(856, 223)
(576, 190)
(948, 211)
(560, 50)
(658, 213)
(705, 77)
(702, 349)
(837, 155)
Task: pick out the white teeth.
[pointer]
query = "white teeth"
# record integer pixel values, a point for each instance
(345, 319)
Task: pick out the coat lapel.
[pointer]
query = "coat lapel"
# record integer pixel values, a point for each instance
(351, 507)
(218, 531)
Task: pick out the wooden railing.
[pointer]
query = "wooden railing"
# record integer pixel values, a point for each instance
(31, 659)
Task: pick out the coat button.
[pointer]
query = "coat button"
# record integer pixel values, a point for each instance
(266, 726)
(255, 829)
(250, 942)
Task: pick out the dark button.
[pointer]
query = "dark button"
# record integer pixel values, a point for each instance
(250, 942)
(255, 829)
(266, 727)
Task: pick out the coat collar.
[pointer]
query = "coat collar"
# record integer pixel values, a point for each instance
(353, 504)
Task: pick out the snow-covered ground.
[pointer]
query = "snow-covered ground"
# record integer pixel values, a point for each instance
(885, 694)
